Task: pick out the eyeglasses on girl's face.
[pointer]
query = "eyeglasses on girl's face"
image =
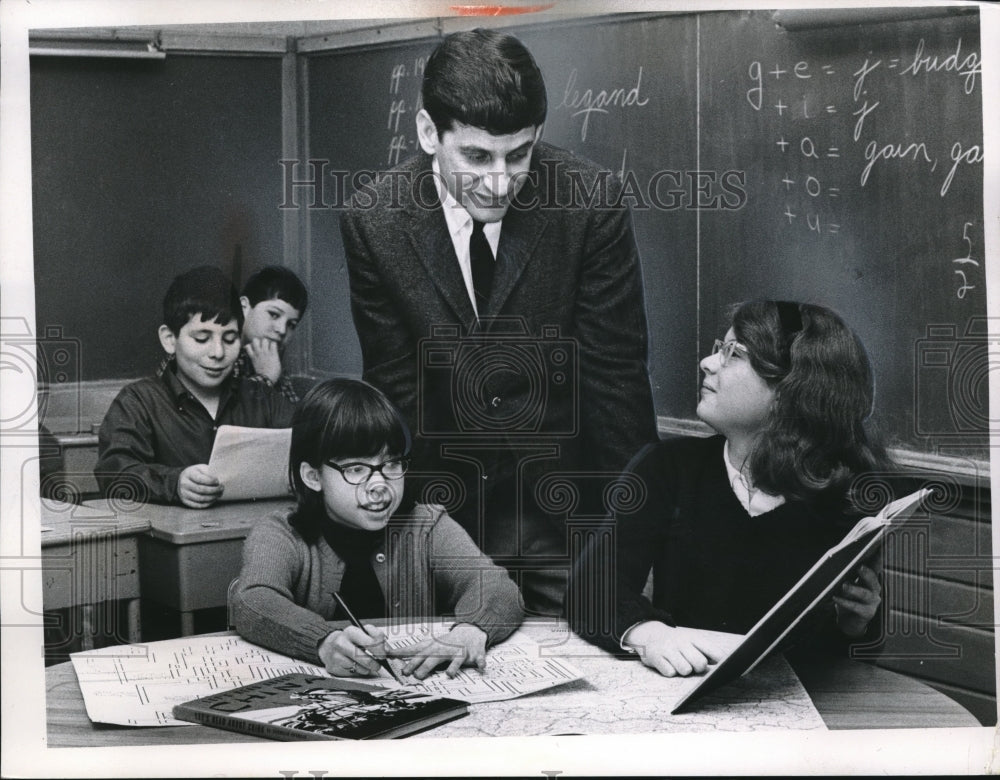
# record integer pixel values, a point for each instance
(726, 350)
(359, 473)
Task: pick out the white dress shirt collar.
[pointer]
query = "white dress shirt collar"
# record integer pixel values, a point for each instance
(459, 224)
(755, 501)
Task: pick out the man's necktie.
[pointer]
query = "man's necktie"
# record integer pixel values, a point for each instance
(482, 266)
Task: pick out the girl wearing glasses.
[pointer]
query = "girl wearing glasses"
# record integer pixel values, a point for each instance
(729, 523)
(347, 461)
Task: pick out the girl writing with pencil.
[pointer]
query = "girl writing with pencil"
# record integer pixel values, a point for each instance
(728, 524)
(344, 551)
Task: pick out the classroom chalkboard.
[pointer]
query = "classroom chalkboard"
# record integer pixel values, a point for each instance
(140, 170)
(360, 120)
(835, 164)
(862, 146)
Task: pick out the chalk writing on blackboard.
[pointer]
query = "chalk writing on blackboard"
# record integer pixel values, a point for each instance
(755, 95)
(818, 148)
(968, 68)
(968, 260)
(970, 156)
(586, 102)
(404, 88)
(913, 152)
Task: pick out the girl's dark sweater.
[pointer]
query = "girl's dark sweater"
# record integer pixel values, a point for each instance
(714, 566)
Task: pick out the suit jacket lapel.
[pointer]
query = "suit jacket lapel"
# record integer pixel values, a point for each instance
(520, 233)
(433, 246)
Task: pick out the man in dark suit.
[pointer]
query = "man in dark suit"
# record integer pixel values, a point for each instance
(497, 295)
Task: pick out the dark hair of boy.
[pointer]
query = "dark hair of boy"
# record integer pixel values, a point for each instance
(205, 291)
(276, 281)
(339, 418)
(485, 79)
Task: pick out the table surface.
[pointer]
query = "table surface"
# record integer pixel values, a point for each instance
(63, 522)
(182, 525)
(846, 694)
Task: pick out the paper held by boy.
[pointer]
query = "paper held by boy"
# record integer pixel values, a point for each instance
(251, 462)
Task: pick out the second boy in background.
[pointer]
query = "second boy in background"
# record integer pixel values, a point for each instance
(157, 436)
(274, 300)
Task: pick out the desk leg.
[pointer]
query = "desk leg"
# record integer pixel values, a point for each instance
(187, 623)
(134, 621)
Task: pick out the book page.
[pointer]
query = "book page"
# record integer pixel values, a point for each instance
(251, 462)
(866, 525)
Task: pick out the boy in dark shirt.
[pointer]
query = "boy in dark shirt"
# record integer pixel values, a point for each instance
(273, 301)
(157, 436)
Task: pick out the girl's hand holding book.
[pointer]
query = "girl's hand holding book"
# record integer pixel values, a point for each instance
(856, 602)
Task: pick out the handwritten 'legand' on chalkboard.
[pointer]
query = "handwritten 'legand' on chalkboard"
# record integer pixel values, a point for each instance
(841, 165)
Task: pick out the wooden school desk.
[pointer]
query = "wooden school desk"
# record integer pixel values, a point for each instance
(189, 556)
(90, 555)
(847, 694)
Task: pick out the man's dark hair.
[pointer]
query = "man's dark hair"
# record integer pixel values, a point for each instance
(205, 291)
(485, 79)
(276, 281)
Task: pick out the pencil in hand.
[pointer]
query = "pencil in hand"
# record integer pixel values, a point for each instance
(383, 662)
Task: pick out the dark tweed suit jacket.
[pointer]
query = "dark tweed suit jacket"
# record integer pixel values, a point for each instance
(551, 382)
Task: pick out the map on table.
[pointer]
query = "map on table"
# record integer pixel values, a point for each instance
(623, 696)
(138, 685)
(576, 687)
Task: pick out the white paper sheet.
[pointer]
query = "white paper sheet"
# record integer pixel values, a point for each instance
(138, 685)
(251, 462)
(514, 668)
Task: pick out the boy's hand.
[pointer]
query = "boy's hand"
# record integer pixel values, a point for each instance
(352, 652)
(265, 356)
(197, 487)
(465, 644)
(673, 650)
(856, 602)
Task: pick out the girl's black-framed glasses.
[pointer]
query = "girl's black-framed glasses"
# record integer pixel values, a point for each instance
(359, 473)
